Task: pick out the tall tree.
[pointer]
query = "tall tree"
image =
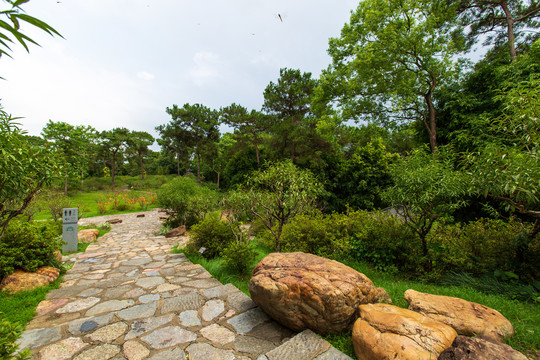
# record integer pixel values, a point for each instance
(288, 101)
(138, 143)
(504, 21)
(246, 123)
(390, 60)
(112, 146)
(197, 127)
(71, 144)
(172, 141)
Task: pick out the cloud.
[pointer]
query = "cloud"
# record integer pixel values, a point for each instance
(145, 75)
(206, 68)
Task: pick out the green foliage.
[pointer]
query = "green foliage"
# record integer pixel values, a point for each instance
(188, 200)
(279, 193)
(29, 246)
(213, 234)
(26, 167)
(55, 202)
(9, 333)
(425, 189)
(238, 256)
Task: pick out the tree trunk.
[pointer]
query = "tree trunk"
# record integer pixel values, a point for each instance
(141, 165)
(218, 174)
(510, 29)
(431, 121)
(178, 162)
(199, 169)
(278, 236)
(535, 229)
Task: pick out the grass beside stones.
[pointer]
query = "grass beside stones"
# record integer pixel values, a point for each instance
(525, 317)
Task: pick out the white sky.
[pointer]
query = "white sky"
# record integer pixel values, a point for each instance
(122, 62)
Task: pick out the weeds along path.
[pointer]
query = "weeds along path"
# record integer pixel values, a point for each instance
(127, 297)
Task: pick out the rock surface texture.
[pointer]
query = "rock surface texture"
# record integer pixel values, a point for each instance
(467, 348)
(128, 298)
(467, 318)
(388, 332)
(179, 231)
(21, 280)
(87, 235)
(305, 291)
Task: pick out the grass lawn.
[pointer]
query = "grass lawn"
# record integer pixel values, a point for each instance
(525, 317)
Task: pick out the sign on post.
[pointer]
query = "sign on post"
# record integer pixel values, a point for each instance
(70, 217)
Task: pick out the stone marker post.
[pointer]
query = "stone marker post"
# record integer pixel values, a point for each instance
(70, 217)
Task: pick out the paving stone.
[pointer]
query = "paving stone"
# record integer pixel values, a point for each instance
(333, 354)
(218, 334)
(212, 309)
(63, 350)
(166, 287)
(245, 322)
(132, 294)
(140, 327)
(46, 306)
(203, 351)
(203, 283)
(271, 331)
(109, 306)
(168, 271)
(134, 350)
(71, 276)
(150, 282)
(117, 292)
(109, 333)
(39, 337)
(78, 305)
(103, 352)
(65, 293)
(191, 301)
(190, 318)
(169, 336)
(262, 357)
(251, 345)
(81, 326)
(240, 301)
(138, 311)
(172, 354)
(305, 345)
(137, 262)
(90, 292)
(94, 276)
(149, 298)
(219, 291)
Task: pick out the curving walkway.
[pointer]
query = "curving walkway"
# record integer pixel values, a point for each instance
(127, 297)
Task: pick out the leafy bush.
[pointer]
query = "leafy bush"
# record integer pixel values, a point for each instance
(29, 245)
(212, 234)
(238, 257)
(189, 201)
(487, 245)
(9, 333)
(56, 202)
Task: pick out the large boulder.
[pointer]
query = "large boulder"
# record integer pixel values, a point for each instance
(305, 291)
(467, 348)
(179, 231)
(468, 318)
(388, 332)
(87, 235)
(21, 280)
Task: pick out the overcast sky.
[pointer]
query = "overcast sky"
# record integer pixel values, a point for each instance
(122, 62)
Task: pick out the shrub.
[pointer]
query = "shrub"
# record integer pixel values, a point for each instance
(212, 234)
(56, 202)
(238, 257)
(189, 201)
(9, 333)
(29, 245)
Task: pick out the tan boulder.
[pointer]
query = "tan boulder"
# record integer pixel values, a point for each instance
(21, 280)
(305, 291)
(87, 235)
(467, 348)
(179, 231)
(468, 318)
(388, 332)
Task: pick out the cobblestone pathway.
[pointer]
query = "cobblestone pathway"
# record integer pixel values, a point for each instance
(127, 297)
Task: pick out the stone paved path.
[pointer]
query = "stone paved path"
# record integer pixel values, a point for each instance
(127, 297)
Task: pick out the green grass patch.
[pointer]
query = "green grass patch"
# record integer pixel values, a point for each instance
(525, 317)
(21, 307)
